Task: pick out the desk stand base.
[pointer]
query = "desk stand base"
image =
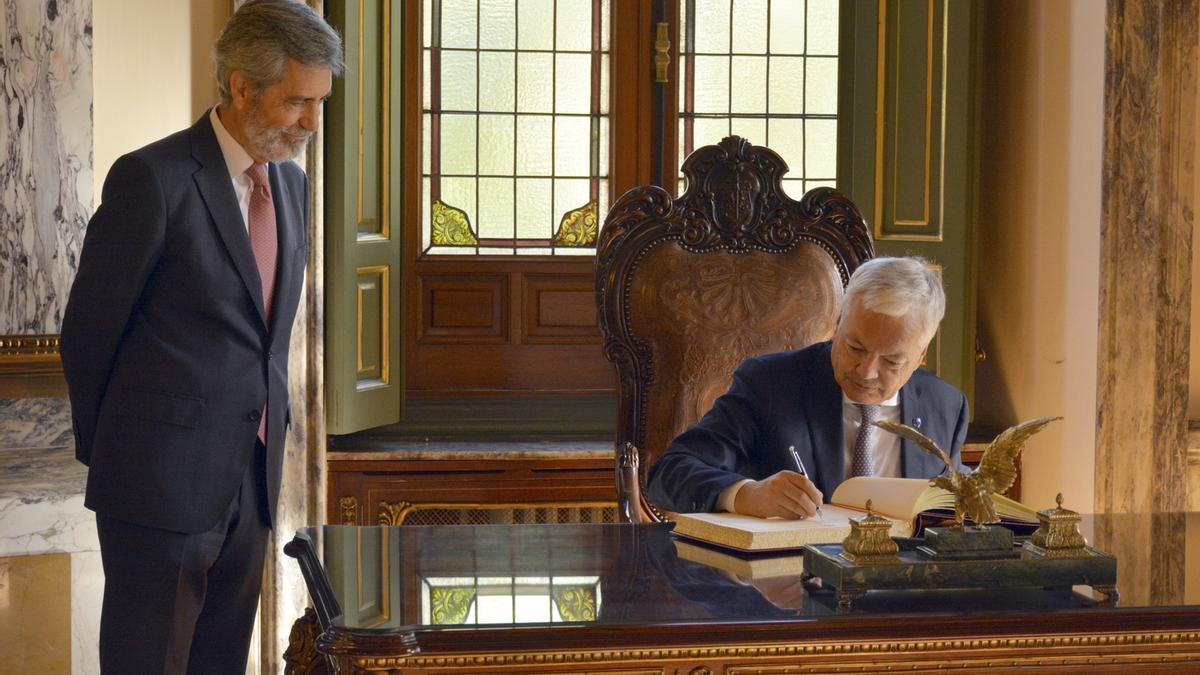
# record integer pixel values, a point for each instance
(916, 570)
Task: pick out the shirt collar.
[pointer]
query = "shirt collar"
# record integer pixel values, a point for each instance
(237, 160)
(893, 401)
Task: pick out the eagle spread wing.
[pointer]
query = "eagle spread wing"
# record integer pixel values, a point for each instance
(999, 463)
(925, 443)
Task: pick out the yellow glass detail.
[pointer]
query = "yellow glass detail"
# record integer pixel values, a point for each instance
(451, 604)
(576, 603)
(578, 227)
(451, 226)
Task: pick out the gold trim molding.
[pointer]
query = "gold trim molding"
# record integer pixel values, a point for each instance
(1120, 649)
(29, 346)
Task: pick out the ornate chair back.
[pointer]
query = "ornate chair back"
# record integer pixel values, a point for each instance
(689, 288)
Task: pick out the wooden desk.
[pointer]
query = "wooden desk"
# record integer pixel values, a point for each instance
(618, 599)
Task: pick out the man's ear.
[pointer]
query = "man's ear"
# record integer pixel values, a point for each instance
(924, 352)
(239, 89)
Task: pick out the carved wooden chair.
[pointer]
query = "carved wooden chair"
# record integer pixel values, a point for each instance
(689, 288)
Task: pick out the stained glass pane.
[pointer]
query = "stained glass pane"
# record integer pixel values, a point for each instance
(749, 84)
(574, 25)
(426, 132)
(516, 133)
(458, 144)
(749, 127)
(786, 87)
(711, 30)
(496, 207)
(786, 137)
(709, 131)
(569, 194)
(496, 72)
(712, 85)
(497, 25)
(535, 82)
(750, 26)
(533, 144)
(793, 187)
(497, 149)
(820, 148)
(765, 70)
(822, 27)
(427, 82)
(460, 193)
(571, 134)
(604, 66)
(787, 27)
(458, 80)
(458, 24)
(535, 24)
(533, 208)
(820, 93)
(573, 83)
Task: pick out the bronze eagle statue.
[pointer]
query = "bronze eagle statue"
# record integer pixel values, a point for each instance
(996, 473)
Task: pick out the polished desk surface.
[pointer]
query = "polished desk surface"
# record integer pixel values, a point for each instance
(563, 587)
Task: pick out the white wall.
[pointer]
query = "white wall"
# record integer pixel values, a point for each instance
(1040, 218)
(152, 71)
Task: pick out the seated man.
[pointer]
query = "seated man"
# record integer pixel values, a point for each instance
(818, 401)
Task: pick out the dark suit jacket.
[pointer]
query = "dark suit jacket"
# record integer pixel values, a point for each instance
(167, 353)
(792, 398)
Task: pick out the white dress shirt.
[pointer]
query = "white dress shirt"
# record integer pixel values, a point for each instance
(237, 160)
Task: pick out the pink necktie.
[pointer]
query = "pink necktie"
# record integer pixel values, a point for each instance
(264, 240)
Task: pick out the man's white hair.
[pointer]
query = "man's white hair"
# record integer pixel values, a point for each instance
(899, 287)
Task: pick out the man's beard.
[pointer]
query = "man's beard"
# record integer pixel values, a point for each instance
(273, 143)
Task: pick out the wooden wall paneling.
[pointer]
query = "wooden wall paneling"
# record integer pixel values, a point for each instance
(463, 308)
(560, 309)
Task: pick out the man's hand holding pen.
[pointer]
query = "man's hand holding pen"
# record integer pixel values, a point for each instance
(786, 494)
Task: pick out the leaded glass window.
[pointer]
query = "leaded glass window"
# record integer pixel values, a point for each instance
(515, 126)
(766, 70)
(449, 601)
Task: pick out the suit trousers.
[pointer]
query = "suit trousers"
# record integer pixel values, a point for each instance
(184, 603)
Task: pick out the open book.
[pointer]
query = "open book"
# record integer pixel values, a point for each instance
(902, 500)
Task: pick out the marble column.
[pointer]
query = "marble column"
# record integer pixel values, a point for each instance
(45, 157)
(1145, 283)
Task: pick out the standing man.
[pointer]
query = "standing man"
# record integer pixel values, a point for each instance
(820, 400)
(175, 348)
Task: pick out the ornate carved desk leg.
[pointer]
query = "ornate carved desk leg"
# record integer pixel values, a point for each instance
(301, 657)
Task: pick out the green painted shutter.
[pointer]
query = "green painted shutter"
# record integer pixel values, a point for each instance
(907, 155)
(363, 301)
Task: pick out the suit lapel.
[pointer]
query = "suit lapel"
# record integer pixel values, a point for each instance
(216, 188)
(823, 407)
(287, 245)
(912, 408)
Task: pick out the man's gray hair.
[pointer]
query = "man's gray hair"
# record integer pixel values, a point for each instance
(263, 34)
(899, 287)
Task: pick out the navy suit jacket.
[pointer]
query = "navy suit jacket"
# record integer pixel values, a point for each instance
(792, 399)
(168, 355)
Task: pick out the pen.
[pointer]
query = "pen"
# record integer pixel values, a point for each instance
(802, 470)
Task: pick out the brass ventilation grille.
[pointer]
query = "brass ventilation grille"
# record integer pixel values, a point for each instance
(404, 513)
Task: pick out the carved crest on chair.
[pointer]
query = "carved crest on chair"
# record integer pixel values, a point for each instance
(723, 306)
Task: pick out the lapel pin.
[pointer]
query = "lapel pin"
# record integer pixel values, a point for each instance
(916, 423)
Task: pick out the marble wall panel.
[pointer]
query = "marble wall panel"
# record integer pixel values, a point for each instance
(45, 157)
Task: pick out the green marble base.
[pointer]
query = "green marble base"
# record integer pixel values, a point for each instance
(969, 543)
(916, 570)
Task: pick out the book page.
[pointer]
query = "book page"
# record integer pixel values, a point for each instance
(750, 533)
(894, 497)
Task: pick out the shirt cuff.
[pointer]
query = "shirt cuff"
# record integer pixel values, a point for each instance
(725, 499)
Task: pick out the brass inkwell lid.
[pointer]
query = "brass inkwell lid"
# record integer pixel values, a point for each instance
(870, 540)
(1058, 535)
